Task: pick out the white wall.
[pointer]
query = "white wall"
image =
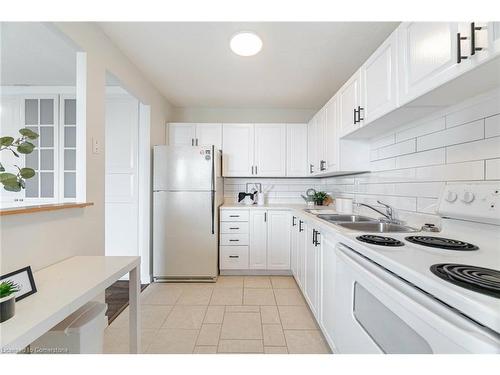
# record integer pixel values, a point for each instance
(411, 164)
(251, 115)
(44, 238)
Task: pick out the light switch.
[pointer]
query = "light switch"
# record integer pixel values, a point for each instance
(96, 146)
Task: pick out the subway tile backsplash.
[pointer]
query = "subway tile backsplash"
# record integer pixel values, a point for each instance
(459, 145)
(411, 164)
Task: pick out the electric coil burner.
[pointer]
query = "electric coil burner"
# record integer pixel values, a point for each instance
(379, 240)
(478, 279)
(441, 243)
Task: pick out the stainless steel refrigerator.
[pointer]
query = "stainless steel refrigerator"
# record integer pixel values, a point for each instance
(187, 193)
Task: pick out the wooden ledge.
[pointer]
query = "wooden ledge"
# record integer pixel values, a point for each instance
(42, 207)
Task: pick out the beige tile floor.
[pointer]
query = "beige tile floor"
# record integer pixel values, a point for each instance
(238, 314)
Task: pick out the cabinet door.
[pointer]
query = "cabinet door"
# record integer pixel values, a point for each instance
(296, 150)
(494, 37)
(311, 146)
(321, 140)
(238, 150)
(427, 57)
(312, 273)
(209, 134)
(181, 134)
(257, 253)
(349, 100)
(278, 240)
(379, 76)
(328, 286)
(270, 150)
(301, 256)
(294, 251)
(331, 136)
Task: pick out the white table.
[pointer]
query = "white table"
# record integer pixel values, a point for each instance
(63, 288)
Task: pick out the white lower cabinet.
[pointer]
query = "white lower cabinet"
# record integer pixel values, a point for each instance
(312, 274)
(255, 239)
(258, 240)
(278, 240)
(294, 243)
(327, 287)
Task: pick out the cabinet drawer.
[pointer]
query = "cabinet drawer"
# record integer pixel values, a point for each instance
(234, 215)
(233, 257)
(233, 227)
(236, 239)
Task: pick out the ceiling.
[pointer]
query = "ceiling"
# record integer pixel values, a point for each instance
(301, 65)
(34, 54)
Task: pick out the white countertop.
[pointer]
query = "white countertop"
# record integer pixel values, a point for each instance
(273, 206)
(62, 288)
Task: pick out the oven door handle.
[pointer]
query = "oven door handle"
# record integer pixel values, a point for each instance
(424, 313)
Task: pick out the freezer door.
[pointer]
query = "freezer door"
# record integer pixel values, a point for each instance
(185, 238)
(183, 168)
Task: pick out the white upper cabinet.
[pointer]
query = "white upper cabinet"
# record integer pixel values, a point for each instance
(350, 106)
(257, 252)
(379, 76)
(331, 136)
(278, 240)
(296, 149)
(209, 134)
(428, 57)
(321, 140)
(270, 150)
(189, 134)
(181, 134)
(311, 146)
(493, 30)
(238, 150)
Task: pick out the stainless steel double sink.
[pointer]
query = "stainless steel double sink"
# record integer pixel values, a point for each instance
(364, 223)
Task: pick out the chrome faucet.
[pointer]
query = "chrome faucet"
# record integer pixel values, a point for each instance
(389, 212)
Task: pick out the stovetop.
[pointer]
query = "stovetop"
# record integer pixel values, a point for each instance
(379, 240)
(478, 279)
(442, 243)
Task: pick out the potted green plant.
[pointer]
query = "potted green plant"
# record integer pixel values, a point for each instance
(22, 145)
(7, 299)
(319, 197)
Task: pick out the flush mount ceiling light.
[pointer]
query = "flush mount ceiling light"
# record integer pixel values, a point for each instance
(246, 43)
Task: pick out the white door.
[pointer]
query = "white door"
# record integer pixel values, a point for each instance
(428, 57)
(181, 134)
(331, 136)
(278, 240)
(328, 287)
(238, 150)
(301, 257)
(321, 140)
(257, 252)
(311, 146)
(349, 97)
(296, 150)
(312, 271)
(379, 75)
(121, 155)
(270, 150)
(209, 134)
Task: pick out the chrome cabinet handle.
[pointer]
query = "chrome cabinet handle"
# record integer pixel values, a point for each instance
(255, 169)
(300, 225)
(192, 141)
(234, 215)
(293, 221)
(359, 113)
(233, 240)
(235, 228)
(234, 256)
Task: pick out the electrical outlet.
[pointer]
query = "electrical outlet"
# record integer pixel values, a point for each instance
(96, 146)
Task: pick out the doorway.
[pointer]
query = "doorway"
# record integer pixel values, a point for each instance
(127, 175)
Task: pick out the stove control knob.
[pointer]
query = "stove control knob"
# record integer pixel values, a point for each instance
(451, 196)
(467, 197)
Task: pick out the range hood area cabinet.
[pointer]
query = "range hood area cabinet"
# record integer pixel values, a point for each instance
(420, 68)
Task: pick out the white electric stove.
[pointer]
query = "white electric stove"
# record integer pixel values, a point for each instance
(425, 292)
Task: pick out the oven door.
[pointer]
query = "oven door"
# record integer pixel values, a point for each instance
(377, 312)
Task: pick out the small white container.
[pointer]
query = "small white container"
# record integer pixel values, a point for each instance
(261, 199)
(343, 205)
